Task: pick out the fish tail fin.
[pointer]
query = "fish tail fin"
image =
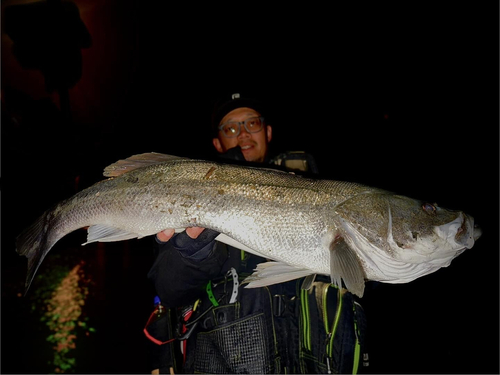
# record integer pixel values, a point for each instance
(34, 244)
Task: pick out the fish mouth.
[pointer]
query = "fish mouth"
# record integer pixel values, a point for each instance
(467, 233)
(459, 233)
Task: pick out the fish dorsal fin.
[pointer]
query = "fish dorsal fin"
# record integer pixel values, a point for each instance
(138, 161)
(344, 265)
(269, 273)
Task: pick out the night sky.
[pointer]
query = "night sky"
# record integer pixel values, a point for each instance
(403, 98)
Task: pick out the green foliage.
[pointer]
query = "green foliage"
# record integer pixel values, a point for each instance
(59, 299)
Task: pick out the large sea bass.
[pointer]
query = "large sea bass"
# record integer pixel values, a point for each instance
(346, 230)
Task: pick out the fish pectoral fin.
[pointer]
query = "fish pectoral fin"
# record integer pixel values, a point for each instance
(103, 233)
(138, 161)
(344, 265)
(269, 273)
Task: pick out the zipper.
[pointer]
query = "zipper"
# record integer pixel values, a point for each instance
(306, 329)
(357, 347)
(331, 332)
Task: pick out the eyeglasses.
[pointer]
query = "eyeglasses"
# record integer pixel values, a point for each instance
(232, 129)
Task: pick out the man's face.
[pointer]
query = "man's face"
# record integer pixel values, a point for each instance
(253, 145)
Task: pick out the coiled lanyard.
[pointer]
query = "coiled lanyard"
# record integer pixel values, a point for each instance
(188, 327)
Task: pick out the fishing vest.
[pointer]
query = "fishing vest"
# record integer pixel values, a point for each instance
(275, 329)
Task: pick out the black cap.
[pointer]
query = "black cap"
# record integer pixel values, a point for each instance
(227, 104)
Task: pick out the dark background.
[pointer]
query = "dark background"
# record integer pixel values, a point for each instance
(402, 97)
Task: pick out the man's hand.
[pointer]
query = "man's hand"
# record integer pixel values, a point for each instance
(167, 234)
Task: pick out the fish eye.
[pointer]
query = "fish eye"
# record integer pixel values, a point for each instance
(429, 208)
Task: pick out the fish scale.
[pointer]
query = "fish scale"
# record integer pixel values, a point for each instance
(346, 230)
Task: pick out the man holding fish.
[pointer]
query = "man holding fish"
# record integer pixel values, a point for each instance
(269, 286)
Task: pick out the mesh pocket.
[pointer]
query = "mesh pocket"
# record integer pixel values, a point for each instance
(244, 346)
